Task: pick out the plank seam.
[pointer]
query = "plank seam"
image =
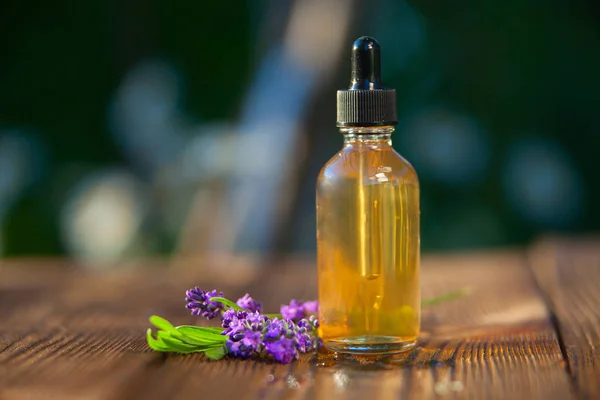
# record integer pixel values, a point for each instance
(555, 325)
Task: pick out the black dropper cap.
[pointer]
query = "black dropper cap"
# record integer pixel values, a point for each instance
(366, 102)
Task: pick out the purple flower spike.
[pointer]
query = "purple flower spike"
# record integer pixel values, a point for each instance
(256, 321)
(233, 321)
(304, 339)
(282, 350)
(199, 302)
(293, 311)
(249, 304)
(281, 340)
(245, 346)
(249, 333)
(274, 330)
(311, 307)
(297, 310)
(305, 342)
(245, 332)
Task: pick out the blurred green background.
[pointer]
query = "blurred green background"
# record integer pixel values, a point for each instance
(136, 128)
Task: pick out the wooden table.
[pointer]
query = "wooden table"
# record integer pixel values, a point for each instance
(529, 329)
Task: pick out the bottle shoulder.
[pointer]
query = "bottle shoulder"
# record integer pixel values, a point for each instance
(373, 164)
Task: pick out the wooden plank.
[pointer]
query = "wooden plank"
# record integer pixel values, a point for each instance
(568, 274)
(496, 343)
(82, 336)
(70, 333)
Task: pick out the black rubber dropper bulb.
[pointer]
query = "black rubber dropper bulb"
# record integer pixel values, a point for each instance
(367, 102)
(366, 64)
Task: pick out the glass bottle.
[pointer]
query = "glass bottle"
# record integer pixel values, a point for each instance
(368, 225)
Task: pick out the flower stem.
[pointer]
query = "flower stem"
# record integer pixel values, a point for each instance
(226, 302)
(446, 297)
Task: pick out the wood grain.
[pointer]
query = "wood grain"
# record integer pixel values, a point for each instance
(496, 343)
(568, 274)
(68, 333)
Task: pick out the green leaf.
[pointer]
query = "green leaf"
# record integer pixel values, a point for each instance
(178, 346)
(217, 353)
(446, 297)
(226, 302)
(154, 344)
(195, 342)
(161, 323)
(218, 330)
(271, 316)
(200, 335)
(203, 328)
(162, 334)
(177, 335)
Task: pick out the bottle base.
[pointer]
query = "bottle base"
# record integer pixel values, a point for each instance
(370, 344)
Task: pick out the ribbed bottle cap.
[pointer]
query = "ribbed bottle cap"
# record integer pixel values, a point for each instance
(366, 102)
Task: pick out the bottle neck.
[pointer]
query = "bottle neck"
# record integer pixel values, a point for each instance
(369, 136)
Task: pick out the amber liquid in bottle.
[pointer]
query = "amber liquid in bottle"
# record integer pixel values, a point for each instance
(368, 246)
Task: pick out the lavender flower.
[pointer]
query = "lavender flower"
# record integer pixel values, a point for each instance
(256, 321)
(199, 302)
(304, 342)
(249, 304)
(280, 340)
(293, 311)
(304, 339)
(311, 307)
(282, 350)
(313, 321)
(297, 310)
(233, 321)
(248, 332)
(278, 328)
(245, 332)
(244, 347)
